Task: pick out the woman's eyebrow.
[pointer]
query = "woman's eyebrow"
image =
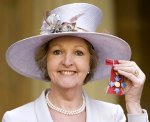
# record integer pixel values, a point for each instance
(55, 45)
(80, 46)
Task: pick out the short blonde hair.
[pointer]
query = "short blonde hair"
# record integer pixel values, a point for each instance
(41, 60)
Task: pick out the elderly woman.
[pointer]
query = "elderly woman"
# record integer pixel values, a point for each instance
(69, 53)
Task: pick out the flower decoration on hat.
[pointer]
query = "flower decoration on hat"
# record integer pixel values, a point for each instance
(116, 84)
(53, 24)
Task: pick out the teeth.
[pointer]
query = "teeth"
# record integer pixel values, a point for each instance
(67, 72)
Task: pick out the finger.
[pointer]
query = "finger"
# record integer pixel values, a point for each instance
(126, 64)
(123, 61)
(126, 69)
(129, 76)
(135, 70)
(128, 85)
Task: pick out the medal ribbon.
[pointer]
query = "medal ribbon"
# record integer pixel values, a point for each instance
(116, 84)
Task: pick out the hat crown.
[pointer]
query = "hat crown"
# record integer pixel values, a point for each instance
(86, 17)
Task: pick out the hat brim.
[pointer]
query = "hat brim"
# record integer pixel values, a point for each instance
(21, 55)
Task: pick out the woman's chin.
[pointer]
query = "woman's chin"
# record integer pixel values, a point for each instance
(68, 84)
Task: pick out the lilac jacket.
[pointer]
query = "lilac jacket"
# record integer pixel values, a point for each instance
(96, 111)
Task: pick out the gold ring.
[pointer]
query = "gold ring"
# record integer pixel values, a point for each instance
(136, 73)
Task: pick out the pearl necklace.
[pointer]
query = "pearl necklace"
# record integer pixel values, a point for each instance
(66, 112)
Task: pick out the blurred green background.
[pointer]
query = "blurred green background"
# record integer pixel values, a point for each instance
(128, 19)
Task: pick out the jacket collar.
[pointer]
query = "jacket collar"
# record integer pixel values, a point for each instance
(92, 115)
(43, 114)
(41, 109)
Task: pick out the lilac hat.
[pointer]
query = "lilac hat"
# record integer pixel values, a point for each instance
(77, 19)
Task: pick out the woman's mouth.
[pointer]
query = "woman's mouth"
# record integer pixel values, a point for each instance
(67, 72)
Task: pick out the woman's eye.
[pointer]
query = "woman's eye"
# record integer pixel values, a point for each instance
(79, 53)
(57, 52)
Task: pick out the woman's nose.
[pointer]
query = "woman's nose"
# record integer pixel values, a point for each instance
(67, 60)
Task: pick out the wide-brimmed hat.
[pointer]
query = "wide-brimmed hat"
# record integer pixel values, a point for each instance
(79, 20)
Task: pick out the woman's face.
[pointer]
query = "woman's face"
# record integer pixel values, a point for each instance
(68, 61)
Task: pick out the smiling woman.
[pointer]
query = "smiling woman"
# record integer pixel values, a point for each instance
(41, 57)
(68, 61)
(69, 53)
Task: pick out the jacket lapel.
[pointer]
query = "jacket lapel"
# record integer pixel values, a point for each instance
(41, 109)
(92, 113)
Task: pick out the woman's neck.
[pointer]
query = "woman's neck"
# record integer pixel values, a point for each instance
(69, 99)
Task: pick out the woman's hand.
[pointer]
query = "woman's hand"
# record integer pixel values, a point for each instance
(135, 79)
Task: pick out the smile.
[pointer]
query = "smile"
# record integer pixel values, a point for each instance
(67, 72)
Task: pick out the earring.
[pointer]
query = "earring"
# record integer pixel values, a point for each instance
(88, 73)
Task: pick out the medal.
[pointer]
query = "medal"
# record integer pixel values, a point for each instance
(116, 84)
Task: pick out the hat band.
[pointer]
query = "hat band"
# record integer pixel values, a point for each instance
(53, 24)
